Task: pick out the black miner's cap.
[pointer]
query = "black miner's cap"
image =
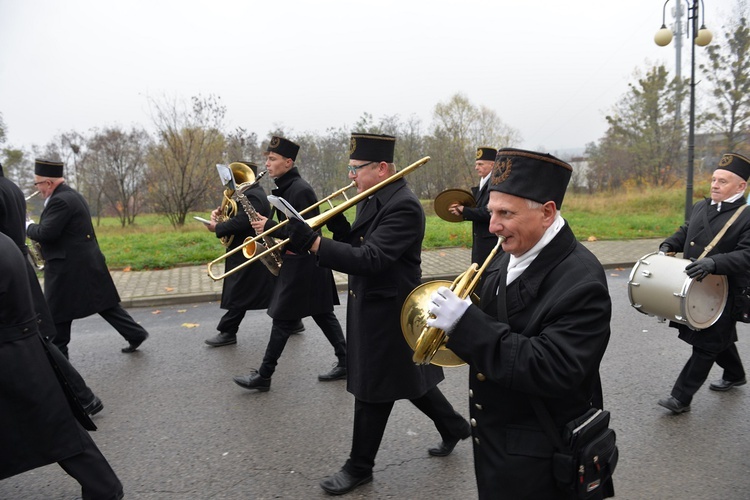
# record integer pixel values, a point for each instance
(372, 147)
(535, 176)
(284, 147)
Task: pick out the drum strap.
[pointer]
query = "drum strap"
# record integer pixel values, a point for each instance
(716, 239)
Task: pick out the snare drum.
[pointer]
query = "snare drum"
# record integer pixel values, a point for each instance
(658, 286)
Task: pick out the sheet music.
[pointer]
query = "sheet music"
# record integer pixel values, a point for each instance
(284, 207)
(225, 174)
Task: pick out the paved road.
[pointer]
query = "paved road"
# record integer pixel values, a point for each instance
(174, 426)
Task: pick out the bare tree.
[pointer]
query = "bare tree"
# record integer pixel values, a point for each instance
(644, 136)
(728, 72)
(458, 129)
(118, 159)
(182, 162)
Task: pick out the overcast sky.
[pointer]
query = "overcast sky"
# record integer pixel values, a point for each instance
(551, 69)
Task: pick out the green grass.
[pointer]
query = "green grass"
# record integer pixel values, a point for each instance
(152, 243)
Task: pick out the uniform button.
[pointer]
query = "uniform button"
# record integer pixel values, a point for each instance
(361, 239)
(692, 243)
(476, 440)
(471, 393)
(88, 236)
(481, 377)
(25, 330)
(473, 422)
(478, 407)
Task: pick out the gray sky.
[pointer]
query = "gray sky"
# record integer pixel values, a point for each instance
(551, 69)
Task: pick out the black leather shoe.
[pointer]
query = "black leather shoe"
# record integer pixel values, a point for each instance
(133, 346)
(445, 448)
(299, 328)
(253, 381)
(222, 338)
(336, 373)
(725, 385)
(94, 407)
(343, 482)
(674, 405)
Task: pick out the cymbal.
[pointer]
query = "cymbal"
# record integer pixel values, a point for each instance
(448, 198)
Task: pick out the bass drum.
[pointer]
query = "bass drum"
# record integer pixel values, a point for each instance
(658, 286)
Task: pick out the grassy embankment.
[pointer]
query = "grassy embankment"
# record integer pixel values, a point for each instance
(152, 243)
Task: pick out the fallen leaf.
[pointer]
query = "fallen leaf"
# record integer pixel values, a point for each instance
(181, 310)
(190, 325)
(614, 274)
(591, 238)
(127, 269)
(169, 289)
(156, 312)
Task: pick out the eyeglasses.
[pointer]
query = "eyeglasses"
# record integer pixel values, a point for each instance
(353, 169)
(40, 182)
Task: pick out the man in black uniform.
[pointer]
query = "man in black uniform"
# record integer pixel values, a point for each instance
(77, 282)
(539, 333)
(483, 241)
(730, 257)
(37, 426)
(302, 289)
(250, 287)
(381, 253)
(12, 219)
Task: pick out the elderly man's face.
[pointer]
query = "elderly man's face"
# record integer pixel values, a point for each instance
(483, 167)
(45, 186)
(725, 184)
(523, 227)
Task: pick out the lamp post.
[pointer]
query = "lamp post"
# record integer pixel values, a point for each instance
(700, 37)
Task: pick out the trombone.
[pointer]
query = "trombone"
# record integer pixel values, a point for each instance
(315, 222)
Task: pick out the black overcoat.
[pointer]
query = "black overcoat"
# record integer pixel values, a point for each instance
(30, 436)
(483, 241)
(732, 257)
(302, 288)
(558, 314)
(77, 282)
(251, 287)
(382, 256)
(12, 212)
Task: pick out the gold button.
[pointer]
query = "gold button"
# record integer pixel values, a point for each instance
(473, 422)
(692, 243)
(481, 377)
(478, 407)
(471, 393)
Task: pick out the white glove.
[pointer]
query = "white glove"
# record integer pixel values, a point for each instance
(447, 309)
(29, 222)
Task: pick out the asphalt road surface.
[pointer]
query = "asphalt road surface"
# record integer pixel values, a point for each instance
(175, 426)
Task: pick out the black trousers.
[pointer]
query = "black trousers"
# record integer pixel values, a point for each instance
(82, 391)
(282, 329)
(92, 471)
(115, 316)
(370, 420)
(230, 321)
(696, 370)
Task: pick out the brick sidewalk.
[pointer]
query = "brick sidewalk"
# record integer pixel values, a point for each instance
(192, 283)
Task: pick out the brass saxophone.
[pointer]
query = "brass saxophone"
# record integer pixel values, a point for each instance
(35, 249)
(272, 260)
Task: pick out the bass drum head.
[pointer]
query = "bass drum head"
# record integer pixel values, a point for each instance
(705, 300)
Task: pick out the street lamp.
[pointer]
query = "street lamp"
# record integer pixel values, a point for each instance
(700, 37)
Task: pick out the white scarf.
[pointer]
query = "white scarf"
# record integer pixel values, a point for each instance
(517, 265)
